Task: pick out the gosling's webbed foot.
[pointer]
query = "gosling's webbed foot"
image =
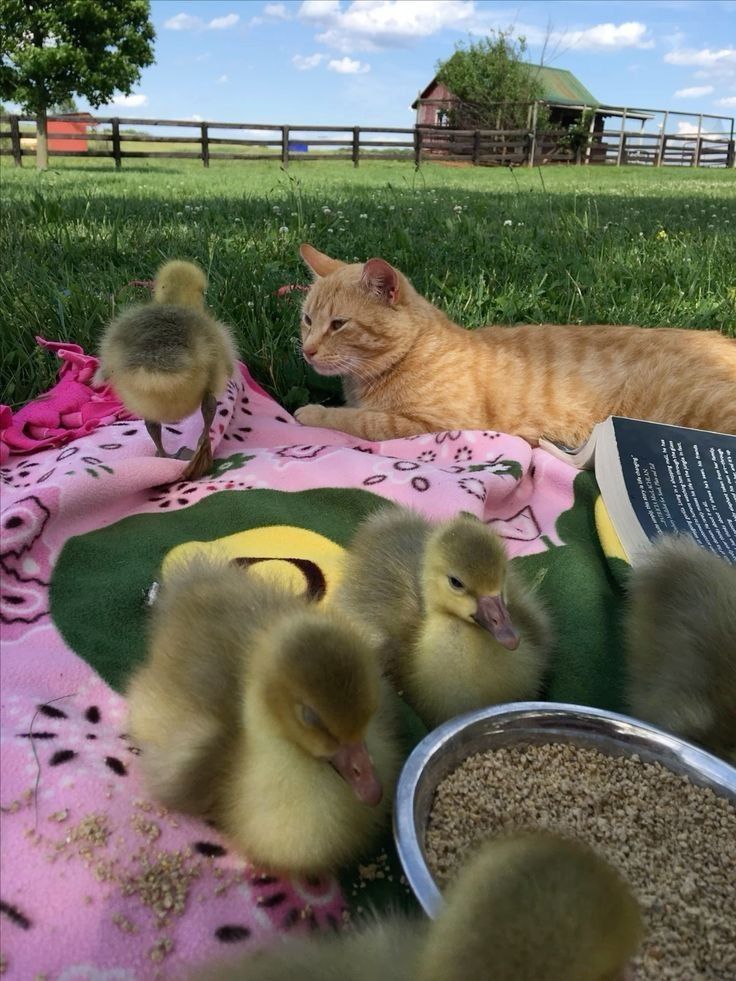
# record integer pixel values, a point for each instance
(201, 461)
(184, 453)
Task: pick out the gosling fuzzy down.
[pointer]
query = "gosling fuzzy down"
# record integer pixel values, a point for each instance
(681, 643)
(527, 907)
(168, 358)
(456, 629)
(265, 714)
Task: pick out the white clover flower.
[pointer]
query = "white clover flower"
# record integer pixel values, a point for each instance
(508, 222)
(326, 210)
(284, 229)
(458, 208)
(250, 303)
(362, 215)
(294, 214)
(179, 214)
(276, 208)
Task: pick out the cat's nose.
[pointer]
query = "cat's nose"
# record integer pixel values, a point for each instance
(309, 351)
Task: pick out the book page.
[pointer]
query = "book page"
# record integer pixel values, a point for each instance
(681, 480)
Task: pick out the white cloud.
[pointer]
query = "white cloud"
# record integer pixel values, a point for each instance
(694, 91)
(369, 25)
(188, 22)
(706, 57)
(276, 10)
(348, 66)
(222, 79)
(195, 117)
(691, 129)
(222, 23)
(373, 25)
(131, 101)
(730, 100)
(183, 22)
(203, 57)
(304, 62)
(631, 34)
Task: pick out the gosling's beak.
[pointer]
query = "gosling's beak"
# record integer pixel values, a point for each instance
(493, 615)
(355, 766)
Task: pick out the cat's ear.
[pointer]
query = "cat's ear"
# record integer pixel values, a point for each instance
(381, 280)
(318, 262)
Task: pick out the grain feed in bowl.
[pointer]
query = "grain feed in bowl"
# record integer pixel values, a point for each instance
(673, 841)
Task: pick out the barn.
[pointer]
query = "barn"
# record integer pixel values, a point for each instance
(564, 95)
(60, 127)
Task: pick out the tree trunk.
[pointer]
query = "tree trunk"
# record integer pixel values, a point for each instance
(42, 143)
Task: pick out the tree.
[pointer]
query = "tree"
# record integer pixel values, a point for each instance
(63, 107)
(54, 49)
(491, 82)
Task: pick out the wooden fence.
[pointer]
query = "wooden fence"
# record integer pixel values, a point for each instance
(261, 141)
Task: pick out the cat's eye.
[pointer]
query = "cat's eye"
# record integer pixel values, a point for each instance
(455, 582)
(307, 320)
(337, 323)
(309, 717)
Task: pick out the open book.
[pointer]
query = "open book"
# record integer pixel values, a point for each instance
(656, 479)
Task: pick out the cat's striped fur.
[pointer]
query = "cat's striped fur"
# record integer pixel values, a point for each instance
(408, 369)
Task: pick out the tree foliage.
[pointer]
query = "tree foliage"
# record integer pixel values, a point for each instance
(52, 50)
(491, 81)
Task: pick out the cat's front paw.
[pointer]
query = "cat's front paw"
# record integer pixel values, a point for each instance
(311, 415)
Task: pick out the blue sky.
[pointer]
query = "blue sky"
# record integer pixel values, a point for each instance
(361, 62)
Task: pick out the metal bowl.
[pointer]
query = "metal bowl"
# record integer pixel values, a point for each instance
(524, 723)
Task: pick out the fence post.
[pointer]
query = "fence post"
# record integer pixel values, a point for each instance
(662, 141)
(621, 140)
(698, 143)
(15, 141)
(533, 143)
(285, 146)
(476, 147)
(356, 145)
(731, 154)
(205, 145)
(417, 147)
(116, 151)
(591, 134)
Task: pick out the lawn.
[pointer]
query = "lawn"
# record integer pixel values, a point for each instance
(565, 244)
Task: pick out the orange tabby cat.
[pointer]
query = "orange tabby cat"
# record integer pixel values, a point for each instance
(408, 369)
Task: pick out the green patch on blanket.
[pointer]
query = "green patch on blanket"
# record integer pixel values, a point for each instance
(101, 581)
(582, 588)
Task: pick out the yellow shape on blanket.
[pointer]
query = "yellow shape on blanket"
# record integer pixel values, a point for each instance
(298, 559)
(610, 542)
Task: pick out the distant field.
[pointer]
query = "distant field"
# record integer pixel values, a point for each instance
(566, 244)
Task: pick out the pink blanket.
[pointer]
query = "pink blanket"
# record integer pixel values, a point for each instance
(98, 882)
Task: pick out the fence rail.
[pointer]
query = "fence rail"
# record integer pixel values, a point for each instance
(481, 147)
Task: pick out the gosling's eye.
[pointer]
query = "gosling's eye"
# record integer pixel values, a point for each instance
(307, 320)
(309, 717)
(455, 582)
(337, 323)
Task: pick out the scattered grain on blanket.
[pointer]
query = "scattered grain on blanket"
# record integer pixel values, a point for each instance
(148, 829)
(673, 841)
(162, 948)
(163, 884)
(124, 924)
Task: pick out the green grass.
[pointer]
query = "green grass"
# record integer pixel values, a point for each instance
(567, 244)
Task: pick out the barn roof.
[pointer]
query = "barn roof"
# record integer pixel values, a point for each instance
(559, 87)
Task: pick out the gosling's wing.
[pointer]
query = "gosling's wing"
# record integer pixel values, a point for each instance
(681, 638)
(381, 579)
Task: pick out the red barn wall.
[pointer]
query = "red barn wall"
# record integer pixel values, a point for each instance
(427, 115)
(56, 129)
